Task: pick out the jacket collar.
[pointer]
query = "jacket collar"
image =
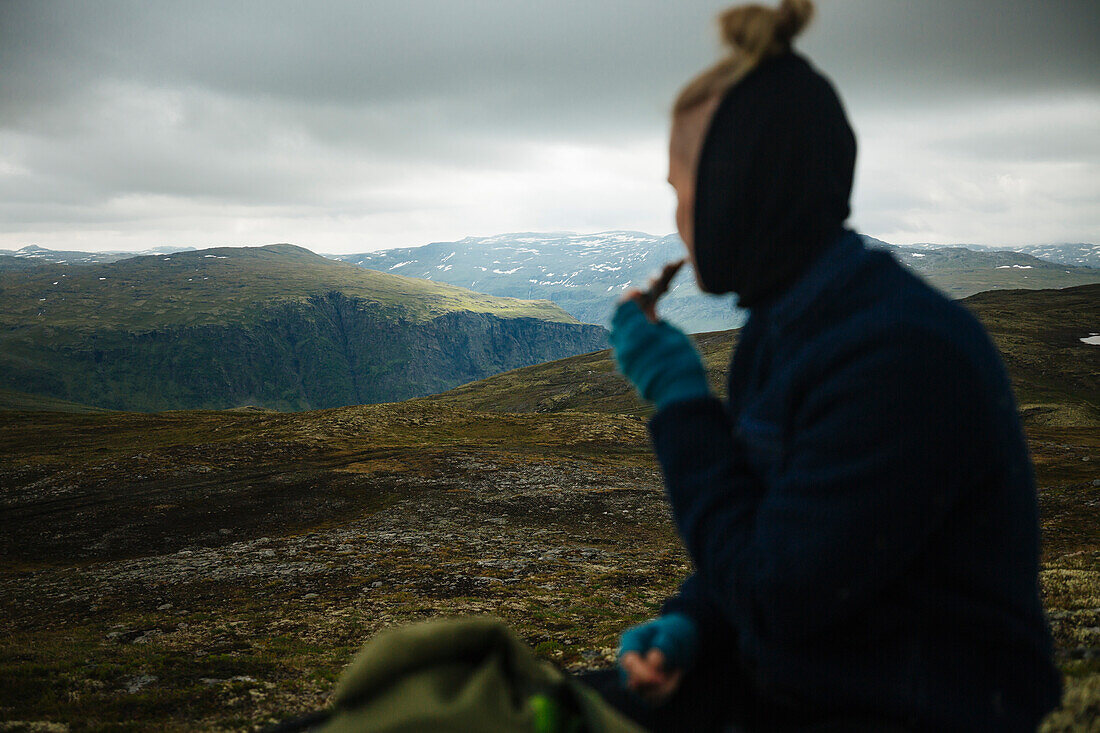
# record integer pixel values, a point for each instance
(840, 258)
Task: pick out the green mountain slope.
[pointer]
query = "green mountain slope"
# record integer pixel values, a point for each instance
(1039, 334)
(216, 286)
(274, 326)
(23, 402)
(584, 383)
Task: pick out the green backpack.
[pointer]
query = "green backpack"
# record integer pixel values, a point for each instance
(469, 674)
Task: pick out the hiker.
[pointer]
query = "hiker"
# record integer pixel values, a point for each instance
(861, 512)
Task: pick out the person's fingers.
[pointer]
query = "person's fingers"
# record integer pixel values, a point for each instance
(663, 690)
(638, 296)
(661, 682)
(646, 676)
(655, 658)
(640, 674)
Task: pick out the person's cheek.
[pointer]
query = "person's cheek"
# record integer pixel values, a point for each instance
(683, 222)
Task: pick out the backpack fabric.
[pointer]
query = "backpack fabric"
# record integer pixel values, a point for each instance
(467, 674)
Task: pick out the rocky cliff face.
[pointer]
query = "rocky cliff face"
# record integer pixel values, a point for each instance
(328, 351)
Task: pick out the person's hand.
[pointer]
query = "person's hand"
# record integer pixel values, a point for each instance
(654, 656)
(647, 306)
(659, 359)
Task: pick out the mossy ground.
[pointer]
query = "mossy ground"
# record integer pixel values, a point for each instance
(243, 605)
(216, 570)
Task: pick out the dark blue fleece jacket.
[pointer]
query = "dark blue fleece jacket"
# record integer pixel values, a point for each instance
(862, 512)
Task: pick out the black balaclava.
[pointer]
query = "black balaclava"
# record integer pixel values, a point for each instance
(774, 177)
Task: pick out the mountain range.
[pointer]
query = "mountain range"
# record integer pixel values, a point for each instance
(283, 328)
(32, 256)
(274, 326)
(1079, 254)
(584, 273)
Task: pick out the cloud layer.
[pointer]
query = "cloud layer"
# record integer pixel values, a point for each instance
(347, 127)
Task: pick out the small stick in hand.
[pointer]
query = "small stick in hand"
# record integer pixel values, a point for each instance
(658, 286)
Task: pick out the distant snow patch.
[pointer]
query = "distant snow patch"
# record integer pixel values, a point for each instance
(507, 272)
(1018, 267)
(402, 264)
(915, 254)
(1093, 340)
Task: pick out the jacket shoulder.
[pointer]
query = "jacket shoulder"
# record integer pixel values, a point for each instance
(885, 306)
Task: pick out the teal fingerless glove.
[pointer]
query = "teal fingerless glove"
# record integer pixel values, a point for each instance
(659, 359)
(675, 634)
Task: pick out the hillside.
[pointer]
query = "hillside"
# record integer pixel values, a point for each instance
(275, 326)
(583, 383)
(1039, 333)
(1055, 375)
(583, 273)
(23, 402)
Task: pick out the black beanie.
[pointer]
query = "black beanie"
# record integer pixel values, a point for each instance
(774, 177)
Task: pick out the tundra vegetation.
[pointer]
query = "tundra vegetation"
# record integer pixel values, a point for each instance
(217, 569)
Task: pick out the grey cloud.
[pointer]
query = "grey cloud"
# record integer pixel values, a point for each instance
(565, 52)
(349, 108)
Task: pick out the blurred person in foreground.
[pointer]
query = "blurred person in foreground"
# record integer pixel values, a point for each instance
(861, 512)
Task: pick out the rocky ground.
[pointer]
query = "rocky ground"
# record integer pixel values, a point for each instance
(216, 571)
(252, 621)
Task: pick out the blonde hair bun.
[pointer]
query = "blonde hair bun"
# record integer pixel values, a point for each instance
(752, 33)
(757, 30)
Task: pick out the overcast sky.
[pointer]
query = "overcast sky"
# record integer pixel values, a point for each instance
(355, 126)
